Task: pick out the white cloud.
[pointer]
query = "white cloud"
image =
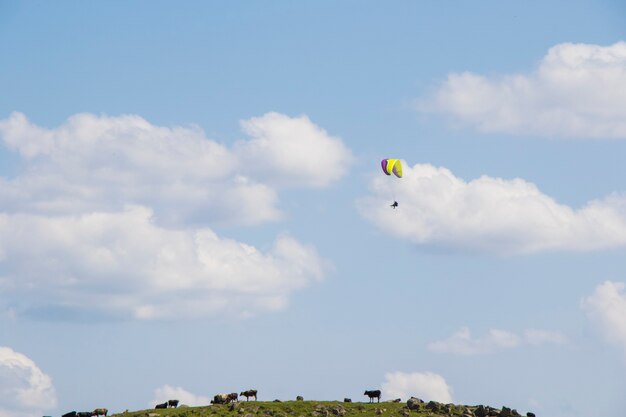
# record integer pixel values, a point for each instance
(25, 390)
(427, 386)
(490, 215)
(292, 151)
(123, 264)
(104, 163)
(576, 91)
(606, 309)
(462, 342)
(168, 392)
(117, 211)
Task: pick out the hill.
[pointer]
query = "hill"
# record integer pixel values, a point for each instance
(328, 409)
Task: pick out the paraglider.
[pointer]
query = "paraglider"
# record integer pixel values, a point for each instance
(392, 166)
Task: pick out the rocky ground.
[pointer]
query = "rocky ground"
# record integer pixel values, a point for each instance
(414, 407)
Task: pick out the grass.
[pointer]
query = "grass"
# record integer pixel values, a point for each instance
(295, 409)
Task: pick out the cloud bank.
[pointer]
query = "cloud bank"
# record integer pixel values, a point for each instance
(428, 386)
(125, 265)
(576, 92)
(462, 342)
(489, 215)
(112, 216)
(25, 391)
(606, 309)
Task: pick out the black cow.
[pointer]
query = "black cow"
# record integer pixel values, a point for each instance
(84, 414)
(164, 405)
(373, 394)
(70, 414)
(172, 403)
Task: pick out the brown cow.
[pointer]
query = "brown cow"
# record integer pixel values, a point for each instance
(249, 393)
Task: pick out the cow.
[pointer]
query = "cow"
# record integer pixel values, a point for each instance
(164, 405)
(232, 397)
(220, 399)
(100, 412)
(84, 414)
(249, 393)
(70, 414)
(172, 403)
(373, 394)
(347, 400)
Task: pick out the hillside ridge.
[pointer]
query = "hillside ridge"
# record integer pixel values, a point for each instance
(414, 407)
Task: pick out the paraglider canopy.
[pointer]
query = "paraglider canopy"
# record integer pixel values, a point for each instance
(392, 166)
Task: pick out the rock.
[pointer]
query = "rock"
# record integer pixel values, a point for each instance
(480, 411)
(505, 412)
(414, 403)
(320, 411)
(380, 411)
(233, 406)
(468, 412)
(299, 398)
(338, 410)
(434, 406)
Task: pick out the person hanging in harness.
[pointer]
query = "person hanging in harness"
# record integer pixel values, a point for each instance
(394, 205)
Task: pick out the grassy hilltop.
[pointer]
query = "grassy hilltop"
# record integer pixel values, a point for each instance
(324, 409)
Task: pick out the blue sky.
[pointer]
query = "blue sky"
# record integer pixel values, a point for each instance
(191, 202)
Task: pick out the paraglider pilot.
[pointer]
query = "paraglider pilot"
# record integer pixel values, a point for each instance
(394, 205)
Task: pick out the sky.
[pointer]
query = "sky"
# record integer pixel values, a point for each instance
(192, 203)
